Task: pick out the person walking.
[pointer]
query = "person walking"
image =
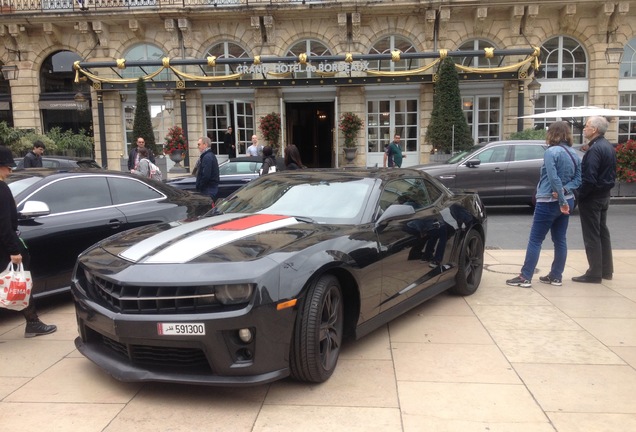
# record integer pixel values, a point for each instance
(597, 179)
(292, 158)
(207, 181)
(560, 175)
(394, 153)
(33, 158)
(133, 157)
(12, 248)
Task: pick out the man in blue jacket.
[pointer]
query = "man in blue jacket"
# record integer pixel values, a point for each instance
(207, 170)
(598, 174)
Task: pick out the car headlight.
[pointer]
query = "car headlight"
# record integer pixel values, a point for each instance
(234, 294)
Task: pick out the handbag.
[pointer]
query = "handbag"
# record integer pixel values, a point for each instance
(15, 288)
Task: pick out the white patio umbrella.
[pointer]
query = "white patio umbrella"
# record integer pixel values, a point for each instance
(582, 111)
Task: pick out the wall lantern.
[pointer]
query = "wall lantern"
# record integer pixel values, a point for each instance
(534, 89)
(81, 102)
(614, 55)
(168, 100)
(10, 72)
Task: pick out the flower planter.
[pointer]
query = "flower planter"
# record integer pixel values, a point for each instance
(350, 153)
(624, 189)
(177, 157)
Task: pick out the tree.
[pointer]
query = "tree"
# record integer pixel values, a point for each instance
(447, 111)
(142, 124)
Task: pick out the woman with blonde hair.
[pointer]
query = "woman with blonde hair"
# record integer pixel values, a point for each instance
(560, 175)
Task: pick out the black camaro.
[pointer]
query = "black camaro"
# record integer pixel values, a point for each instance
(61, 213)
(270, 284)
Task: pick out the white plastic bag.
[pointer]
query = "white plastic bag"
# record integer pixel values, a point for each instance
(15, 288)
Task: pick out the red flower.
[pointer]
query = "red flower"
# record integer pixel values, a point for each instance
(626, 161)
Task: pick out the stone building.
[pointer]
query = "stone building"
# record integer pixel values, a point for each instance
(42, 39)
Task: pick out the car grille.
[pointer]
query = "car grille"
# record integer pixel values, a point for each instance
(158, 356)
(133, 299)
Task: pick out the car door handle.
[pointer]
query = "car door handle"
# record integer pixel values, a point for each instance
(246, 180)
(114, 223)
(498, 170)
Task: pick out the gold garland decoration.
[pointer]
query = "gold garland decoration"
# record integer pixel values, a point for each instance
(407, 72)
(395, 56)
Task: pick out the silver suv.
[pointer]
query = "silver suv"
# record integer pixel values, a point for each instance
(502, 172)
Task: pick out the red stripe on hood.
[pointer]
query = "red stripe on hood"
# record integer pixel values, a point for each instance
(248, 222)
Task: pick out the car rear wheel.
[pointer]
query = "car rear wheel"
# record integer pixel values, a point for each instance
(318, 332)
(471, 265)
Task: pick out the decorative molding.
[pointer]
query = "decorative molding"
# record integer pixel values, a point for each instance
(566, 17)
(356, 31)
(135, 25)
(255, 22)
(102, 32)
(268, 24)
(429, 27)
(342, 27)
(52, 32)
(605, 12)
(185, 26)
(444, 18)
(481, 13)
(516, 14)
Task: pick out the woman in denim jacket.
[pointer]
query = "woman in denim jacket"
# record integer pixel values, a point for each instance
(560, 175)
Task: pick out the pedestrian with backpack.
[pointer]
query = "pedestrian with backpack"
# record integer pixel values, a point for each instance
(145, 168)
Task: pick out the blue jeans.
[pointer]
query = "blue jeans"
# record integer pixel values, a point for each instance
(547, 217)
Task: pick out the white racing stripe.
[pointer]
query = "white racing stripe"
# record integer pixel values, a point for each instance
(146, 246)
(215, 236)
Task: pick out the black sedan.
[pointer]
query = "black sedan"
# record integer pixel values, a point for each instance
(233, 173)
(269, 285)
(62, 213)
(62, 162)
(502, 172)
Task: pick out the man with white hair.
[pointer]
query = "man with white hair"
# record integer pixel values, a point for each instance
(598, 175)
(207, 170)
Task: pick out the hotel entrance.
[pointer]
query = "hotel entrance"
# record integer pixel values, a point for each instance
(309, 125)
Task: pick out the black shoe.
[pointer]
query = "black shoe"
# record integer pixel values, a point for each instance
(586, 279)
(550, 280)
(38, 328)
(519, 281)
(607, 276)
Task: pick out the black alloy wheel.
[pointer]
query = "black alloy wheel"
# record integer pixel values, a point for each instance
(471, 265)
(318, 331)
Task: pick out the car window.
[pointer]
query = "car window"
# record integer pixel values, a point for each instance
(528, 152)
(433, 191)
(128, 190)
(77, 193)
(243, 167)
(493, 154)
(48, 163)
(405, 191)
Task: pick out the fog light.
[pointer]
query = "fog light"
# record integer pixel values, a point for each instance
(245, 335)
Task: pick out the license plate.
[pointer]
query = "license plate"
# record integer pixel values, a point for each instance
(181, 329)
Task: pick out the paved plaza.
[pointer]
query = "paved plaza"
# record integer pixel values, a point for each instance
(503, 360)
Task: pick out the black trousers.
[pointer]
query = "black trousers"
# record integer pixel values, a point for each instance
(29, 313)
(596, 236)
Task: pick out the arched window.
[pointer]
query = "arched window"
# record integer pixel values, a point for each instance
(145, 52)
(57, 74)
(479, 61)
(225, 50)
(563, 58)
(311, 48)
(627, 97)
(386, 46)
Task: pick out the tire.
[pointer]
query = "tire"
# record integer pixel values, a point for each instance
(471, 265)
(318, 332)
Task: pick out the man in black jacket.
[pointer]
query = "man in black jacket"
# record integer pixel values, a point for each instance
(133, 157)
(33, 158)
(12, 249)
(598, 174)
(207, 169)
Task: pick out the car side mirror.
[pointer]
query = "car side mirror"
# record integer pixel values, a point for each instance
(473, 163)
(394, 211)
(33, 209)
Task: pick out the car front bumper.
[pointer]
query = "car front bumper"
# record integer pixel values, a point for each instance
(130, 348)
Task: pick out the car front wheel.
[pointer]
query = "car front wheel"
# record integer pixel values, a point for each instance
(318, 332)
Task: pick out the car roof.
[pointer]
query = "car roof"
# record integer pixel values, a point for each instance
(514, 142)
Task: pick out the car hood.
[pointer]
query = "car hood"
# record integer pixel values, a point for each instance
(223, 238)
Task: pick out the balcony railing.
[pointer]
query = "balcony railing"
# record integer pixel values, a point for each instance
(17, 6)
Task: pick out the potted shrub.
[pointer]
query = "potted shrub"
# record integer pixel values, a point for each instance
(350, 125)
(626, 168)
(270, 128)
(175, 145)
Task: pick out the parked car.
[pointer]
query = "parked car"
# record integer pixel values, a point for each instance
(62, 213)
(502, 172)
(271, 283)
(233, 173)
(62, 162)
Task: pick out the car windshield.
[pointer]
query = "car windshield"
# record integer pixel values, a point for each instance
(333, 201)
(18, 184)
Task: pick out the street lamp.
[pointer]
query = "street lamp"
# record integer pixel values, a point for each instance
(614, 55)
(534, 89)
(81, 102)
